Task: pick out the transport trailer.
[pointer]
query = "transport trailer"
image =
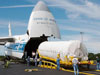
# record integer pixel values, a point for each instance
(67, 62)
(66, 49)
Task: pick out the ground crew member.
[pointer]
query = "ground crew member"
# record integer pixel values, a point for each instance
(75, 66)
(33, 56)
(40, 61)
(66, 59)
(36, 58)
(88, 65)
(6, 62)
(98, 62)
(58, 62)
(25, 57)
(25, 54)
(28, 61)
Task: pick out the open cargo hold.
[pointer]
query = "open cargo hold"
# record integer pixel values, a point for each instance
(32, 45)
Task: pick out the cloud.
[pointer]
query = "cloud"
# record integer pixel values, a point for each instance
(87, 8)
(17, 27)
(24, 6)
(17, 6)
(80, 25)
(80, 29)
(73, 10)
(89, 41)
(4, 23)
(75, 37)
(93, 46)
(19, 23)
(73, 16)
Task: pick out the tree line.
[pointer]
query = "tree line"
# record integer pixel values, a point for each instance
(92, 56)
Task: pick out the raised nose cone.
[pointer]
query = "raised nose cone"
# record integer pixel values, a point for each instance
(42, 22)
(41, 6)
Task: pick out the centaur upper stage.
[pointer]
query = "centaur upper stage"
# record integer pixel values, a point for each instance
(42, 22)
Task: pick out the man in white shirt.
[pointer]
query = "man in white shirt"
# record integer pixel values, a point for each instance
(75, 66)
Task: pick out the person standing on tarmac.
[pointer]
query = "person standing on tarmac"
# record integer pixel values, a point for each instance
(33, 55)
(88, 65)
(28, 61)
(6, 62)
(25, 53)
(25, 57)
(40, 61)
(36, 56)
(58, 62)
(98, 62)
(75, 66)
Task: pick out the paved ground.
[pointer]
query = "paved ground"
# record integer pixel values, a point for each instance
(18, 69)
(92, 70)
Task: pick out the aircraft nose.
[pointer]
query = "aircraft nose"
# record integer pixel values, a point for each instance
(41, 6)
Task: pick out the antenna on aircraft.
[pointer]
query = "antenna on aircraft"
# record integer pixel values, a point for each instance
(9, 26)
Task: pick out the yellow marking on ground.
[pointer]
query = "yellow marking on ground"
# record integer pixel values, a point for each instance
(86, 73)
(64, 69)
(97, 70)
(79, 72)
(94, 72)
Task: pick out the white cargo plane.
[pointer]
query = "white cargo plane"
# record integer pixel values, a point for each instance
(41, 26)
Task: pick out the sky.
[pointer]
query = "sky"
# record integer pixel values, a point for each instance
(72, 17)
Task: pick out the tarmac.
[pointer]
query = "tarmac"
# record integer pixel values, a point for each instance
(19, 69)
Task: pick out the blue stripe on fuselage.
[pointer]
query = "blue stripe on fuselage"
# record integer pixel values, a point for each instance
(17, 47)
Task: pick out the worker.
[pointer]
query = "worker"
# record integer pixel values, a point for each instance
(75, 66)
(66, 59)
(28, 61)
(33, 55)
(25, 54)
(40, 61)
(36, 58)
(58, 62)
(98, 62)
(6, 62)
(88, 65)
(25, 57)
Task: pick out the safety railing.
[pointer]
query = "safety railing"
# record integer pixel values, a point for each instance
(47, 64)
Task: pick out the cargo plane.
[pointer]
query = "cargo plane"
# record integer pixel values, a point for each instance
(41, 26)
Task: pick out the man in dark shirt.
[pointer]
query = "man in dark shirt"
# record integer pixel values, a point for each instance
(28, 61)
(98, 63)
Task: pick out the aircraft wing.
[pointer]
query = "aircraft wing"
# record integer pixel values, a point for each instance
(3, 40)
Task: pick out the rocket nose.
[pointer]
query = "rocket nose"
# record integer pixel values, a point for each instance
(41, 6)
